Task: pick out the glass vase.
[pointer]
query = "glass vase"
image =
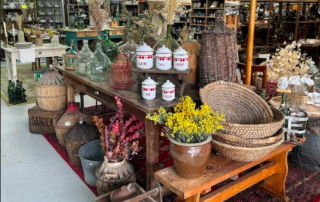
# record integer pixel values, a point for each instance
(167, 40)
(298, 95)
(80, 22)
(128, 49)
(109, 47)
(71, 55)
(98, 64)
(82, 58)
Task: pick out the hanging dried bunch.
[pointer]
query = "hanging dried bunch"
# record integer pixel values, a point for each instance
(98, 14)
(171, 6)
(19, 20)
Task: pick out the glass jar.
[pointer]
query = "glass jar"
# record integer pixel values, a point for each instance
(167, 40)
(71, 55)
(128, 49)
(80, 22)
(71, 22)
(98, 64)
(297, 96)
(82, 58)
(109, 47)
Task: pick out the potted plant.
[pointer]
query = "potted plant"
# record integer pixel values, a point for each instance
(119, 139)
(292, 70)
(189, 130)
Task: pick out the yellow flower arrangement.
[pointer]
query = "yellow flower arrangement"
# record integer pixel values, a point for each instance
(188, 124)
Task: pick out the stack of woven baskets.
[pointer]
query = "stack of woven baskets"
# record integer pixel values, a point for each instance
(251, 128)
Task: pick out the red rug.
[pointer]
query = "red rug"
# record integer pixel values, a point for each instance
(293, 182)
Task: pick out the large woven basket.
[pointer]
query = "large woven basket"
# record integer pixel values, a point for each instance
(256, 130)
(244, 142)
(218, 54)
(243, 154)
(239, 104)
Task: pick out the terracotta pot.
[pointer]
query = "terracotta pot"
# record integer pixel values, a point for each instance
(190, 160)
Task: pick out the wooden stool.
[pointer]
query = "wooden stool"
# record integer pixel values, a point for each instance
(273, 172)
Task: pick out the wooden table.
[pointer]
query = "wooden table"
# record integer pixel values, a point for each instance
(132, 104)
(78, 35)
(45, 51)
(273, 172)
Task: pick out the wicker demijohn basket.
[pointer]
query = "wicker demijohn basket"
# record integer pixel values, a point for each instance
(66, 122)
(51, 91)
(218, 54)
(111, 176)
(243, 154)
(245, 142)
(78, 136)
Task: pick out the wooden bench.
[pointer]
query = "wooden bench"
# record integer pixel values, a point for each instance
(273, 171)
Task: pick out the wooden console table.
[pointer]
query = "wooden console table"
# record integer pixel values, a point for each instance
(45, 51)
(132, 104)
(273, 172)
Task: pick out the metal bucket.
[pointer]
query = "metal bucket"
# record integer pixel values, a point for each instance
(91, 156)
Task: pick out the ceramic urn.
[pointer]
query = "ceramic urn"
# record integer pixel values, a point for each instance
(163, 58)
(168, 91)
(148, 89)
(180, 59)
(144, 57)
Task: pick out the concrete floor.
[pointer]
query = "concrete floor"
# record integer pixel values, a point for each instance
(31, 170)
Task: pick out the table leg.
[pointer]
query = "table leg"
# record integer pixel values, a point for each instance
(55, 61)
(194, 198)
(152, 151)
(70, 93)
(14, 69)
(8, 63)
(275, 184)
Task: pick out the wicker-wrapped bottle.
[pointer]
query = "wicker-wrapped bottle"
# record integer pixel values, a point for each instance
(69, 119)
(51, 91)
(78, 136)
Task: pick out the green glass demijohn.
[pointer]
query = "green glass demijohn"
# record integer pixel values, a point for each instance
(80, 22)
(82, 58)
(98, 64)
(109, 47)
(167, 40)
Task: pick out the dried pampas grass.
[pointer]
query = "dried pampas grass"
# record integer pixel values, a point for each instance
(98, 15)
(171, 6)
(18, 19)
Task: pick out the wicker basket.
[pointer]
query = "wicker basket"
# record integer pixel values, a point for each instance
(218, 54)
(256, 130)
(238, 103)
(51, 91)
(244, 142)
(243, 154)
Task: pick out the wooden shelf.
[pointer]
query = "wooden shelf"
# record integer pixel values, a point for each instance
(198, 25)
(156, 71)
(78, 5)
(198, 16)
(201, 8)
(216, 8)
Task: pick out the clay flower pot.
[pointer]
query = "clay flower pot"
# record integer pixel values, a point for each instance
(190, 160)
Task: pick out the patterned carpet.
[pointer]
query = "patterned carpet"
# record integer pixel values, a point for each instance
(26, 75)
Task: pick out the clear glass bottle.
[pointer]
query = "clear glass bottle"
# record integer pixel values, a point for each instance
(128, 49)
(71, 55)
(109, 47)
(167, 40)
(98, 64)
(82, 58)
(80, 22)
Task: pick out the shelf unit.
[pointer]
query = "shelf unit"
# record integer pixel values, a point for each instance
(281, 24)
(50, 13)
(202, 16)
(78, 9)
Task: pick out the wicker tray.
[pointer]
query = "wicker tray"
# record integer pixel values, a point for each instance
(238, 103)
(243, 154)
(244, 142)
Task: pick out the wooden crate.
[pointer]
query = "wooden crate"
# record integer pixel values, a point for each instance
(40, 121)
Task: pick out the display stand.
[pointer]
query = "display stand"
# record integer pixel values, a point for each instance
(179, 78)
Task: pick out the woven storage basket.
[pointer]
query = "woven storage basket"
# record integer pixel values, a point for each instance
(243, 154)
(51, 91)
(244, 142)
(240, 104)
(218, 54)
(256, 130)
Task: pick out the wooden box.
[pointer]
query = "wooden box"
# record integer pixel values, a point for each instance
(40, 121)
